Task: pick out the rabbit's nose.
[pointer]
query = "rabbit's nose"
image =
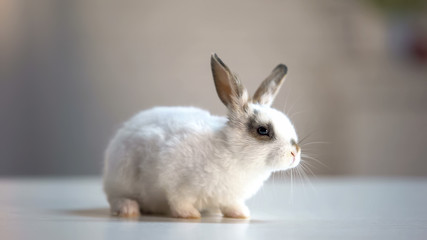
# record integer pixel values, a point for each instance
(297, 147)
(293, 157)
(294, 144)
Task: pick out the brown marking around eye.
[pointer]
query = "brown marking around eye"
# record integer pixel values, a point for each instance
(253, 125)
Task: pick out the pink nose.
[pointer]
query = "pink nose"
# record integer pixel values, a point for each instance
(293, 157)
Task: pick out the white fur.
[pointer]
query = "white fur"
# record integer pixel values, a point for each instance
(183, 157)
(182, 160)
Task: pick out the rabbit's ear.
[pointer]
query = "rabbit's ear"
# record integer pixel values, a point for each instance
(229, 89)
(270, 86)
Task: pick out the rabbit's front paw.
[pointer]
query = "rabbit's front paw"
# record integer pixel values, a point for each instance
(124, 207)
(235, 211)
(185, 211)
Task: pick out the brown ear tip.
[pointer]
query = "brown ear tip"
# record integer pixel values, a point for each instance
(282, 68)
(215, 58)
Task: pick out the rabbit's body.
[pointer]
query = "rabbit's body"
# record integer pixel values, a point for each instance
(182, 160)
(177, 153)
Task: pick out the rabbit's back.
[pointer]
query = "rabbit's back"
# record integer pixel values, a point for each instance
(139, 158)
(173, 120)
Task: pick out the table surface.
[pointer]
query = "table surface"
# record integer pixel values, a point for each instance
(328, 208)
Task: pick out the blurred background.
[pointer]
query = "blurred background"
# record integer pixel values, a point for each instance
(72, 71)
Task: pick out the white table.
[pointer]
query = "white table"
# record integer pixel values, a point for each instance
(332, 208)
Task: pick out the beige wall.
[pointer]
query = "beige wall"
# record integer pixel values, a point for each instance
(72, 71)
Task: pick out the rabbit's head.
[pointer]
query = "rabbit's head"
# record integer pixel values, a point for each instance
(259, 135)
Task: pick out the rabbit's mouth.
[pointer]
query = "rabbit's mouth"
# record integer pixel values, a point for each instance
(294, 160)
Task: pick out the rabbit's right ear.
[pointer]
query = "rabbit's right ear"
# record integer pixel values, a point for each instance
(269, 88)
(229, 89)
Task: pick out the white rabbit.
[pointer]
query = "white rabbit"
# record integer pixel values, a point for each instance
(182, 160)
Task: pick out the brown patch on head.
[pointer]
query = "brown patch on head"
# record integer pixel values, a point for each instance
(253, 126)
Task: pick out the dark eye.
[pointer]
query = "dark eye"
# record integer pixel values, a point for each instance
(262, 131)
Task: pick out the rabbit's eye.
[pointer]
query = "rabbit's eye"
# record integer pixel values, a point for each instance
(262, 131)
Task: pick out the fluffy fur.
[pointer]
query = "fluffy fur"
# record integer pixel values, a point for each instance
(182, 160)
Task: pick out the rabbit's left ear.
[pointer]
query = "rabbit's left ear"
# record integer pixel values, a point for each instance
(269, 88)
(230, 90)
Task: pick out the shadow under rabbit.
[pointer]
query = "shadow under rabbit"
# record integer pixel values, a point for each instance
(206, 217)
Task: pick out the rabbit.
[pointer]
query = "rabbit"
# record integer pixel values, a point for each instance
(180, 161)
